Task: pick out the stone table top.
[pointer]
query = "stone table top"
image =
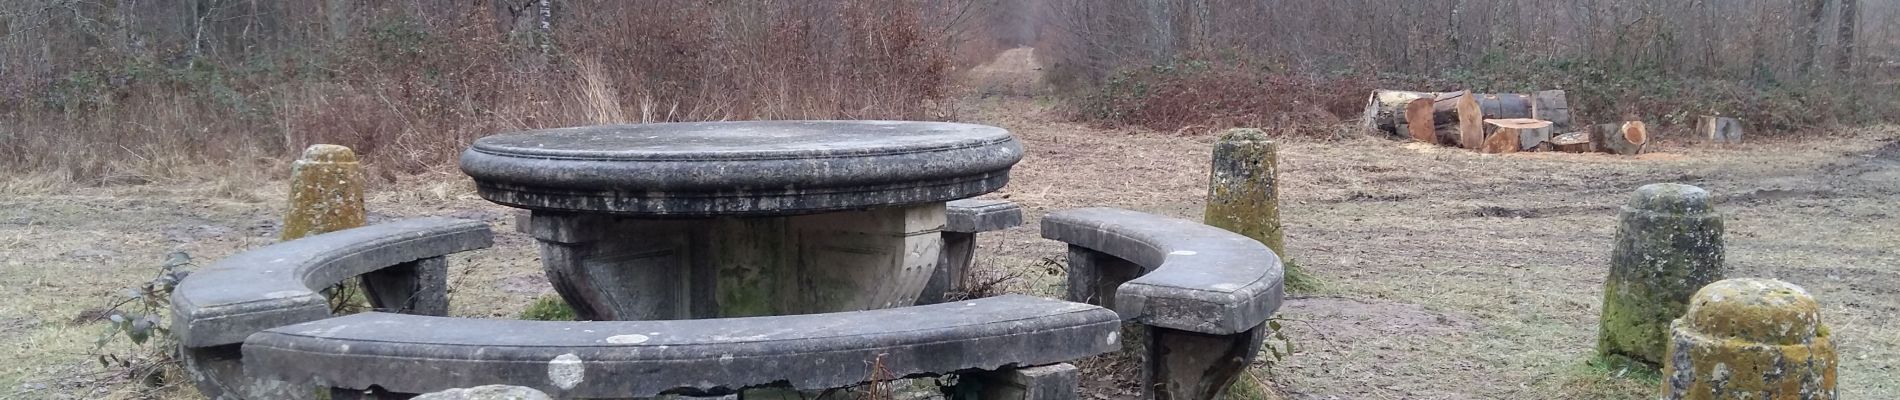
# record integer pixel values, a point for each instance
(702, 169)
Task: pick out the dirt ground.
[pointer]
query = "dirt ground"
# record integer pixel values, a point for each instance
(1447, 274)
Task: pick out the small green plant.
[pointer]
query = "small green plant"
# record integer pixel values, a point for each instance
(1615, 366)
(139, 316)
(549, 308)
(1297, 280)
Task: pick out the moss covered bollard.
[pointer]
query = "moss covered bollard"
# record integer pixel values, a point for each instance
(1755, 339)
(1668, 244)
(1243, 193)
(326, 192)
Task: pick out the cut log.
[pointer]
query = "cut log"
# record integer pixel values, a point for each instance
(1514, 134)
(1553, 106)
(1386, 108)
(1721, 130)
(1574, 142)
(1505, 105)
(1625, 138)
(1420, 122)
(1470, 122)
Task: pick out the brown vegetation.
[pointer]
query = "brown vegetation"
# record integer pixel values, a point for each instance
(129, 90)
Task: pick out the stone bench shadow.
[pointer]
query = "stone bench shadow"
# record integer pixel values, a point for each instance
(1202, 294)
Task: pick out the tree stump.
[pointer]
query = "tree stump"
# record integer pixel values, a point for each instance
(1624, 138)
(1721, 130)
(1573, 142)
(1750, 339)
(1513, 135)
(1668, 245)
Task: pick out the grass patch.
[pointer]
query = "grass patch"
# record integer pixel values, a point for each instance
(548, 308)
(1612, 378)
(1297, 280)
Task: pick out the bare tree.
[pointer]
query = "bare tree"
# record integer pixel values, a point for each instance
(1815, 10)
(1850, 16)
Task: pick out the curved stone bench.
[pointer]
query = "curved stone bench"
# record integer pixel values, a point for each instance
(1201, 292)
(406, 354)
(402, 267)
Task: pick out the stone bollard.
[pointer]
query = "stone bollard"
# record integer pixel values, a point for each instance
(1243, 193)
(326, 192)
(1758, 339)
(1668, 244)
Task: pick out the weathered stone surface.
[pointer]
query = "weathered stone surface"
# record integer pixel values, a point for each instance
(1243, 191)
(736, 267)
(214, 309)
(963, 219)
(1193, 365)
(489, 392)
(326, 192)
(218, 373)
(415, 354)
(981, 215)
(1201, 293)
(741, 168)
(1195, 277)
(1668, 245)
(277, 285)
(1048, 382)
(1756, 339)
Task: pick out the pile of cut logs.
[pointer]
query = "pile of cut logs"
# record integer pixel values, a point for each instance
(1497, 123)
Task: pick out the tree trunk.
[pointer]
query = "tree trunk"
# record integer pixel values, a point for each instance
(1811, 32)
(1850, 17)
(544, 26)
(1624, 138)
(1513, 135)
(1723, 130)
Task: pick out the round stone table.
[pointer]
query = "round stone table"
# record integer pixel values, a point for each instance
(728, 219)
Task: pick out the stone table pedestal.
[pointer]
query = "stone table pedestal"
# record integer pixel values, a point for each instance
(628, 268)
(727, 219)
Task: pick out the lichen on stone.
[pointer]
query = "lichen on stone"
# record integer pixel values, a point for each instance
(1668, 244)
(326, 192)
(1751, 339)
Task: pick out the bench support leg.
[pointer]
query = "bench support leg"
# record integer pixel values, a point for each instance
(218, 372)
(417, 287)
(953, 268)
(1183, 365)
(1048, 382)
(1094, 276)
